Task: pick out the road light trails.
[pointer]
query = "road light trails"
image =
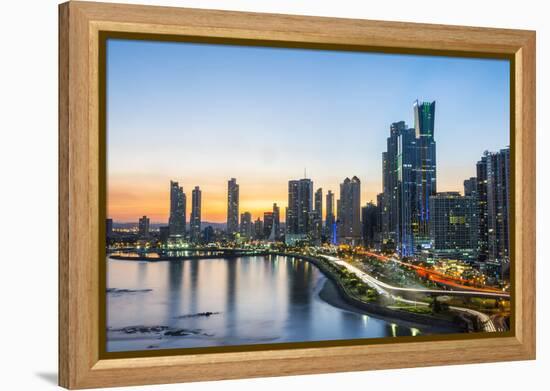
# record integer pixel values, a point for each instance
(389, 290)
(380, 284)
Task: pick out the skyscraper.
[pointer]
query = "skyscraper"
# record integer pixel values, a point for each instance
(387, 234)
(398, 201)
(470, 187)
(164, 234)
(232, 207)
(108, 228)
(406, 174)
(424, 121)
(453, 226)
(258, 229)
(330, 219)
(276, 220)
(246, 225)
(317, 216)
(498, 204)
(370, 222)
(319, 202)
(143, 227)
(178, 202)
(483, 234)
(208, 234)
(493, 200)
(195, 222)
(390, 217)
(268, 224)
(349, 211)
(300, 204)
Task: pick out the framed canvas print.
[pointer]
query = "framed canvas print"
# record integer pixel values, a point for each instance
(247, 195)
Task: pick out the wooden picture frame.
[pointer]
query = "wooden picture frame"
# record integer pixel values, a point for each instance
(81, 164)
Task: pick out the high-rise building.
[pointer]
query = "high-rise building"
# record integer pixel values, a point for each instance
(498, 204)
(108, 228)
(453, 226)
(398, 203)
(276, 221)
(300, 204)
(371, 224)
(232, 207)
(406, 188)
(268, 224)
(317, 217)
(493, 201)
(349, 211)
(408, 180)
(291, 218)
(246, 225)
(164, 234)
(195, 221)
(319, 202)
(389, 181)
(426, 182)
(386, 210)
(258, 229)
(178, 202)
(330, 218)
(470, 187)
(208, 234)
(483, 234)
(143, 226)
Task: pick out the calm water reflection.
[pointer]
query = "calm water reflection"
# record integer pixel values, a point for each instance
(254, 300)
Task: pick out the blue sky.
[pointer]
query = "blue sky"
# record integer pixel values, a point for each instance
(202, 113)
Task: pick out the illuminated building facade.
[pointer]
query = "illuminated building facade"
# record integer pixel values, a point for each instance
(178, 202)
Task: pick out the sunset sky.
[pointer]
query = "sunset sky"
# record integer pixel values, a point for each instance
(201, 114)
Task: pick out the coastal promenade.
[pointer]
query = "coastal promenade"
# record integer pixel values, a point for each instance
(382, 287)
(393, 291)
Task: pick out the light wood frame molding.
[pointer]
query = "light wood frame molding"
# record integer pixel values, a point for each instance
(80, 365)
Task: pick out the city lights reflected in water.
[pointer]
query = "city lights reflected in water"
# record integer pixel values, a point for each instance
(251, 300)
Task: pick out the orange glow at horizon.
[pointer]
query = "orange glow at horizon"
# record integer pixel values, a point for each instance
(129, 199)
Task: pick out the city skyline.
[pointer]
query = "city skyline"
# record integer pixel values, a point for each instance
(353, 134)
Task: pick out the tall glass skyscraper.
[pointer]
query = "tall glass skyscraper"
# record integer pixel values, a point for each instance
(330, 218)
(246, 225)
(370, 221)
(389, 180)
(143, 225)
(178, 201)
(482, 235)
(498, 203)
(349, 211)
(493, 201)
(399, 204)
(300, 206)
(276, 220)
(317, 217)
(408, 180)
(195, 221)
(424, 120)
(232, 207)
(406, 188)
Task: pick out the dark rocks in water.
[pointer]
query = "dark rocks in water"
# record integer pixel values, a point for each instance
(198, 314)
(177, 333)
(159, 331)
(141, 329)
(116, 290)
